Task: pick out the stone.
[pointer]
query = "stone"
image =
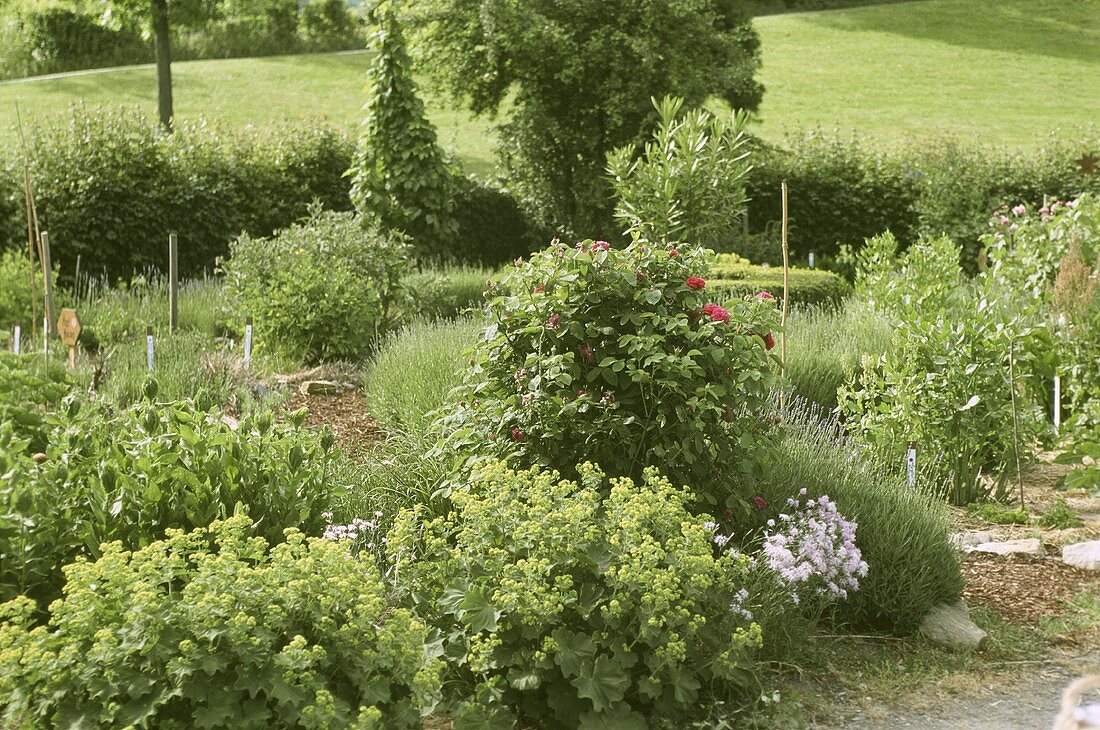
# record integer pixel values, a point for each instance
(1082, 555)
(318, 387)
(964, 540)
(950, 625)
(1029, 546)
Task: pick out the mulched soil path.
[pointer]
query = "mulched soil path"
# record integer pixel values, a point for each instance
(346, 414)
(1021, 588)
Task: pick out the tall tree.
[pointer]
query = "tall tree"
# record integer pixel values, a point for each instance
(580, 75)
(164, 62)
(399, 176)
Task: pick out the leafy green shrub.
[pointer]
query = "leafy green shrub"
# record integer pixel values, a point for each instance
(26, 394)
(616, 356)
(580, 605)
(15, 292)
(399, 177)
(1085, 449)
(51, 38)
(826, 346)
(414, 370)
(447, 291)
(902, 286)
(111, 186)
(212, 629)
(131, 475)
(326, 25)
(324, 288)
(492, 228)
(687, 183)
(903, 532)
(1059, 516)
(945, 383)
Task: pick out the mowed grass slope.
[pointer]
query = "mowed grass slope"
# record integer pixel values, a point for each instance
(1002, 71)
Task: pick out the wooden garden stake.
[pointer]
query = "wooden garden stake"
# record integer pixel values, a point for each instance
(149, 347)
(16, 335)
(47, 277)
(68, 328)
(247, 343)
(786, 287)
(173, 283)
(32, 218)
(911, 463)
(1015, 418)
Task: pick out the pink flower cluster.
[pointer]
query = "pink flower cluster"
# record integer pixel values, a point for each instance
(814, 550)
(696, 283)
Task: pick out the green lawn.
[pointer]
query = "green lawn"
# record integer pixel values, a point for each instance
(1004, 71)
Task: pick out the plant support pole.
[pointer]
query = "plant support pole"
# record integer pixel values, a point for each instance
(1015, 418)
(786, 287)
(173, 283)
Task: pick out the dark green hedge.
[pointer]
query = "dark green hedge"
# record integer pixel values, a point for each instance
(842, 192)
(110, 188)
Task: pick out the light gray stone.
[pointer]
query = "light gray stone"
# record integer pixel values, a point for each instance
(1082, 555)
(964, 540)
(318, 387)
(950, 625)
(1028, 546)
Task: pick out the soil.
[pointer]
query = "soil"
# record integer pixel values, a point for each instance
(345, 413)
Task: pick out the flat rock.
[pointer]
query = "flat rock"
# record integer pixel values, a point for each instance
(1028, 546)
(318, 387)
(964, 540)
(1082, 555)
(950, 625)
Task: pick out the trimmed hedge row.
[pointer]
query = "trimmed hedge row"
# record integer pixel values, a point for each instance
(738, 277)
(842, 192)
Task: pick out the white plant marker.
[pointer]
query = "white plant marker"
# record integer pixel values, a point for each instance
(17, 334)
(149, 347)
(1057, 403)
(811, 259)
(247, 343)
(46, 335)
(911, 463)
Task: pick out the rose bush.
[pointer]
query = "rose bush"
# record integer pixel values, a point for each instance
(621, 357)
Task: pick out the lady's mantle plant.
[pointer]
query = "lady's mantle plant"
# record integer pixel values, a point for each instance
(623, 358)
(212, 629)
(585, 604)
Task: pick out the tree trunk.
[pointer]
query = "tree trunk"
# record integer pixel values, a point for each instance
(164, 62)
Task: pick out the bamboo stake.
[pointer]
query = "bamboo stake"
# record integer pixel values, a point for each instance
(173, 282)
(786, 287)
(1015, 418)
(32, 220)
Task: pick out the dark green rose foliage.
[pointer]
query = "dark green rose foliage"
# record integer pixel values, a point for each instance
(621, 357)
(212, 629)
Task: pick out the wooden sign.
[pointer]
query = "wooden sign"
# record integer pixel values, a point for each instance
(68, 329)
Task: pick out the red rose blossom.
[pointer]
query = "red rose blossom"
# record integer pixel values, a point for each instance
(517, 435)
(553, 321)
(760, 503)
(696, 282)
(764, 295)
(601, 246)
(717, 314)
(769, 341)
(674, 252)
